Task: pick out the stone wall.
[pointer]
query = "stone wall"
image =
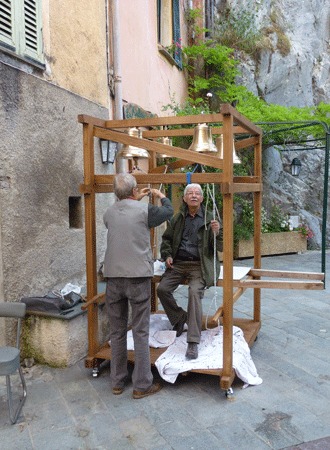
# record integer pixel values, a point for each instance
(41, 166)
(59, 342)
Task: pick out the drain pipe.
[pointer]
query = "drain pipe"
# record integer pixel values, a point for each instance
(118, 97)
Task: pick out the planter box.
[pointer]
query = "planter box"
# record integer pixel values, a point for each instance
(273, 244)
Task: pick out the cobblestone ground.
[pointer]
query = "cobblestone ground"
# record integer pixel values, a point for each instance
(69, 409)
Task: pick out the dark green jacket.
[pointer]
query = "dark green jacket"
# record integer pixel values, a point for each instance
(172, 237)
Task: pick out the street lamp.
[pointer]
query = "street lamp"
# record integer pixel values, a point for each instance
(295, 167)
(108, 151)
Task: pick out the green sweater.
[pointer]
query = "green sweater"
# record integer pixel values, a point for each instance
(172, 237)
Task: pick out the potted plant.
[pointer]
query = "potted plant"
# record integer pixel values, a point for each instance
(275, 226)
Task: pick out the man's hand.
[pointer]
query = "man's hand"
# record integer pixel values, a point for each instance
(147, 191)
(215, 226)
(143, 193)
(169, 262)
(157, 193)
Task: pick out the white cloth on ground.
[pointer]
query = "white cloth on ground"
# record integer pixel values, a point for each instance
(160, 333)
(210, 356)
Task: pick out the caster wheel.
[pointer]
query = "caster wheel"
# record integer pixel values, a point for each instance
(229, 394)
(96, 372)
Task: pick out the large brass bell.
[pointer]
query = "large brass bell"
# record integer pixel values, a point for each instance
(219, 145)
(166, 141)
(202, 140)
(131, 152)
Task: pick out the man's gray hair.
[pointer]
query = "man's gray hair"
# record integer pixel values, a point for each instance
(124, 183)
(193, 186)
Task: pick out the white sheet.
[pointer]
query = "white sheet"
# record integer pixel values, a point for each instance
(210, 351)
(238, 272)
(160, 333)
(210, 356)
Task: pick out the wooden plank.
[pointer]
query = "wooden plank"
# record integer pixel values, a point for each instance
(286, 274)
(102, 186)
(227, 109)
(149, 134)
(257, 197)
(190, 131)
(267, 284)
(90, 239)
(245, 187)
(97, 299)
(236, 130)
(89, 120)
(165, 121)
(247, 179)
(166, 178)
(249, 142)
(175, 152)
(228, 201)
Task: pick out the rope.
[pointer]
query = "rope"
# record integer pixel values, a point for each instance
(215, 211)
(161, 185)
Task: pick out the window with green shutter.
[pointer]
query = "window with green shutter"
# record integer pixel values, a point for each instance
(20, 28)
(168, 27)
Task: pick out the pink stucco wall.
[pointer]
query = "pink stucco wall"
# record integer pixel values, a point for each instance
(148, 79)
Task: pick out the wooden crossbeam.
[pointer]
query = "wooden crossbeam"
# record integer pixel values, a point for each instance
(251, 282)
(286, 274)
(278, 284)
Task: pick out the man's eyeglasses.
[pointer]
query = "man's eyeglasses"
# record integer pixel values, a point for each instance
(198, 194)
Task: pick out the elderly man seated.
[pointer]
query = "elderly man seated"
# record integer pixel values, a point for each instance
(188, 251)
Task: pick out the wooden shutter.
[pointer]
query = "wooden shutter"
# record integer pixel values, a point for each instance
(20, 27)
(31, 29)
(7, 34)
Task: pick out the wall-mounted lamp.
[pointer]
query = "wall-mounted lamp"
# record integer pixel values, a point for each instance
(295, 167)
(108, 151)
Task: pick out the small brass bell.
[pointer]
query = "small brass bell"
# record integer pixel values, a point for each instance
(236, 159)
(202, 140)
(219, 144)
(131, 152)
(166, 141)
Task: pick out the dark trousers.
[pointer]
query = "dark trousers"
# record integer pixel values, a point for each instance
(120, 293)
(182, 271)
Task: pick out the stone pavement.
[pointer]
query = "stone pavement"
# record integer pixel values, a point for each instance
(69, 409)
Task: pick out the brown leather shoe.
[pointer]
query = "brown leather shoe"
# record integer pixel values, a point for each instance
(117, 390)
(192, 350)
(156, 387)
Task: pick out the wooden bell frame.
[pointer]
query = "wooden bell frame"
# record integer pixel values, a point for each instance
(230, 123)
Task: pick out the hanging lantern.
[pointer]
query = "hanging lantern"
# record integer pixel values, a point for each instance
(219, 145)
(295, 167)
(202, 140)
(131, 152)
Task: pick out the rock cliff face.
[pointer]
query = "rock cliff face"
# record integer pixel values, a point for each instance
(292, 69)
(294, 63)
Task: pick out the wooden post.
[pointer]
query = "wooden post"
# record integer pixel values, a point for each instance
(227, 372)
(257, 227)
(90, 238)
